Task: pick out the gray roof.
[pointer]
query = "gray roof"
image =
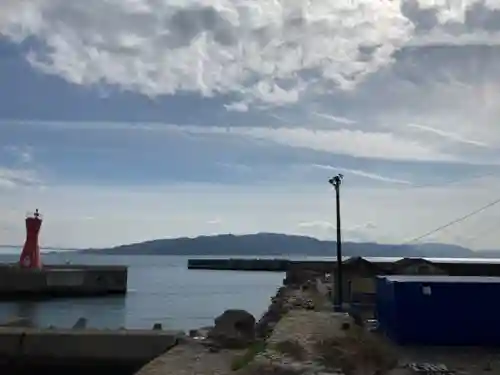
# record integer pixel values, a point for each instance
(441, 279)
(437, 260)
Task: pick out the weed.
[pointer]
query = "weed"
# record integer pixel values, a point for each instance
(291, 348)
(244, 359)
(355, 351)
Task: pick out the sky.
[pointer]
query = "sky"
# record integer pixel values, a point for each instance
(132, 120)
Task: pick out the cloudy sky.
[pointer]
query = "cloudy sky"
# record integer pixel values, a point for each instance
(130, 120)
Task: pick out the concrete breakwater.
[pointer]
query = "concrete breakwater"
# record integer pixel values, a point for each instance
(257, 264)
(287, 339)
(239, 264)
(301, 335)
(23, 350)
(61, 281)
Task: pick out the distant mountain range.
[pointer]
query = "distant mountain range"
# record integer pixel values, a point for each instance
(274, 244)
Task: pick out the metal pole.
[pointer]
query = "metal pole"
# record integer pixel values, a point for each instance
(338, 300)
(339, 253)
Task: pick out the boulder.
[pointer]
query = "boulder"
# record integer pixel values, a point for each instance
(233, 329)
(81, 323)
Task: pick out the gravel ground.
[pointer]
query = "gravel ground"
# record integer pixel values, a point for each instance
(466, 361)
(461, 360)
(191, 359)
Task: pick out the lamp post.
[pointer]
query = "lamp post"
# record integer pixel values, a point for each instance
(336, 181)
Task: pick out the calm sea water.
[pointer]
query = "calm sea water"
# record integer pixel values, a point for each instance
(161, 290)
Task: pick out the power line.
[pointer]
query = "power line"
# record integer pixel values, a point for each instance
(456, 221)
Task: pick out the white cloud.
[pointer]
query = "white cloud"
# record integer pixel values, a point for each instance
(271, 51)
(317, 224)
(237, 107)
(6, 183)
(357, 172)
(449, 135)
(215, 221)
(383, 145)
(338, 119)
(13, 178)
(389, 143)
(328, 231)
(281, 52)
(284, 52)
(257, 49)
(23, 154)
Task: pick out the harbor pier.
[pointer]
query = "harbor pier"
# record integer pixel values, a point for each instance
(31, 279)
(17, 283)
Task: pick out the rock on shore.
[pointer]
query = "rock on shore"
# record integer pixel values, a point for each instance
(234, 329)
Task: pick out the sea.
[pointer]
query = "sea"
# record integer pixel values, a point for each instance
(160, 290)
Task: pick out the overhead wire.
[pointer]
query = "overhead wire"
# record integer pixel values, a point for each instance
(455, 221)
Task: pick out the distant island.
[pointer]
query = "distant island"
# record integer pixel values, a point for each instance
(275, 244)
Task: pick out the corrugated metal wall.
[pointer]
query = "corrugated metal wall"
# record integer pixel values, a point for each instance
(439, 310)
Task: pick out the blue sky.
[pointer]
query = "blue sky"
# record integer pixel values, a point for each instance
(134, 120)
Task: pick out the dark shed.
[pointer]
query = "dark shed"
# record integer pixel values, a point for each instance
(439, 310)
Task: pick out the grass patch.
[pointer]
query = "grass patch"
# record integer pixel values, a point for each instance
(356, 351)
(321, 302)
(244, 359)
(291, 348)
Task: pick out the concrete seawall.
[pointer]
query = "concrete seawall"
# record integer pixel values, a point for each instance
(256, 264)
(24, 349)
(235, 264)
(61, 281)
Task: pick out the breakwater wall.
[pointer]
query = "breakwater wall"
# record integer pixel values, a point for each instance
(256, 264)
(61, 281)
(26, 350)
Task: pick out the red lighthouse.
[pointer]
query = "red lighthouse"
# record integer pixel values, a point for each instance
(30, 256)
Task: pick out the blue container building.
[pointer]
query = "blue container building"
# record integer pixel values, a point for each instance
(439, 310)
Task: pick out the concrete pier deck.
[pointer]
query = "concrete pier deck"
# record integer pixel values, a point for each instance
(61, 281)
